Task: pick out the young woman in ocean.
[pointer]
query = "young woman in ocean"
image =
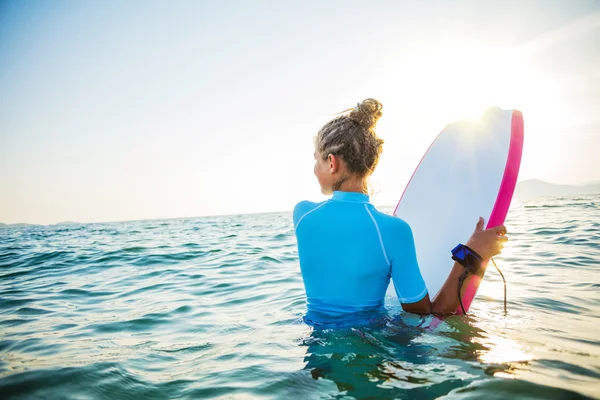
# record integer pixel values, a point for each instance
(348, 250)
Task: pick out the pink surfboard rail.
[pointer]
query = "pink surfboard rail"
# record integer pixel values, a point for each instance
(505, 192)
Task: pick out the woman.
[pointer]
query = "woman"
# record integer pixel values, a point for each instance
(348, 250)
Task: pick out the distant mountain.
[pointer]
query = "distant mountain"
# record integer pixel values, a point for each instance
(534, 189)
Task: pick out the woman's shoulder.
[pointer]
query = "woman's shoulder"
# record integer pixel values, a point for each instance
(390, 222)
(303, 208)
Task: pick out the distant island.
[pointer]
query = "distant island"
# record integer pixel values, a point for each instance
(532, 189)
(16, 225)
(22, 225)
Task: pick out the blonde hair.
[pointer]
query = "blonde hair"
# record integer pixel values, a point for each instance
(352, 137)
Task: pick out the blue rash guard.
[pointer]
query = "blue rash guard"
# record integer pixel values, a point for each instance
(349, 251)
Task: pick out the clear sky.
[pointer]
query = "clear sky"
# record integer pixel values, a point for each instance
(120, 110)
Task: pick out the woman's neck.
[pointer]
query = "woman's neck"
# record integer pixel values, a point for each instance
(354, 185)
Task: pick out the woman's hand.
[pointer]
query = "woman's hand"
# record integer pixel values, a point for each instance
(487, 243)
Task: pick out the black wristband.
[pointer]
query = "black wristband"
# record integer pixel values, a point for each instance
(467, 257)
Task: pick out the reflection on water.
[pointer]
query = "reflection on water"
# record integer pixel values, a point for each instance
(384, 360)
(421, 360)
(424, 360)
(501, 350)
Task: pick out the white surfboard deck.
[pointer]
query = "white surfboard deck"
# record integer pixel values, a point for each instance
(470, 170)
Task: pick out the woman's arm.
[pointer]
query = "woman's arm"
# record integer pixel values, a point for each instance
(487, 243)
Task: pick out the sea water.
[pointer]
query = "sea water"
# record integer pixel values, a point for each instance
(213, 307)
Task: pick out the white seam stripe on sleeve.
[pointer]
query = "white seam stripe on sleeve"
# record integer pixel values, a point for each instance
(378, 234)
(314, 209)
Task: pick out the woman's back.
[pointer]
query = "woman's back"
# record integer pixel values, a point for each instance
(348, 251)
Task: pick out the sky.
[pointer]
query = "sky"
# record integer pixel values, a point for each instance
(113, 110)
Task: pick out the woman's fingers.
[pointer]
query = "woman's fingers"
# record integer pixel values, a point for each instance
(490, 242)
(500, 230)
(479, 225)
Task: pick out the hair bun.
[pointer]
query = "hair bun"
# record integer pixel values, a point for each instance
(366, 113)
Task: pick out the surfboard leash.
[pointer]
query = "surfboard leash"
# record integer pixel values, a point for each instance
(503, 280)
(463, 276)
(461, 280)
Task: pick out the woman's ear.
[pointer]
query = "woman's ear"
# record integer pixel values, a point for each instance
(334, 163)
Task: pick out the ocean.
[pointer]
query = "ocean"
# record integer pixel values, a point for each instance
(213, 307)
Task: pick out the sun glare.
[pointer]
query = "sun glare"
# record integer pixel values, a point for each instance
(460, 80)
(502, 350)
(479, 78)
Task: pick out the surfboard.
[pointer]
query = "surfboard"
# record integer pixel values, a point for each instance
(470, 170)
